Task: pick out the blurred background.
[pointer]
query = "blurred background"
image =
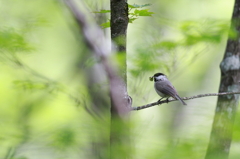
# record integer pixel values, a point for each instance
(44, 102)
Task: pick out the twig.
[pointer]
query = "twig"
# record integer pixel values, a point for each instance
(184, 98)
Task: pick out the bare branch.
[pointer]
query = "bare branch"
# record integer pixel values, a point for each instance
(184, 98)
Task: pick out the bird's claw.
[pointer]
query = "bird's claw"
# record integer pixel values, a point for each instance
(159, 101)
(167, 100)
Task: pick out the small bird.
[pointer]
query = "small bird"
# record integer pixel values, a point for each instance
(164, 87)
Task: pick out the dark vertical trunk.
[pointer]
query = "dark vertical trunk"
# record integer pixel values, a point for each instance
(221, 135)
(119, 135)
(119, 23)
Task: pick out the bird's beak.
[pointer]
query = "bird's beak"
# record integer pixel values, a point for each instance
(151, 78)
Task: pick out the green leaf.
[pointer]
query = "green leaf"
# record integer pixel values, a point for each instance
(143, 12)
(138, 6)
(133, 14)
(105, 25)
(132, 19)
(208, 31)
(102, 11)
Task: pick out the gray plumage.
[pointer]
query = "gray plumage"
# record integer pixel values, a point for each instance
(164, 88)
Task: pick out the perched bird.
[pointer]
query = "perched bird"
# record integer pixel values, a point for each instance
(164, 87)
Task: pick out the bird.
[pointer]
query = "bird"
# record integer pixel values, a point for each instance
(164, 87)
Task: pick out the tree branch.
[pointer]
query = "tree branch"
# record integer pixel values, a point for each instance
(184, 98)
(94, 38)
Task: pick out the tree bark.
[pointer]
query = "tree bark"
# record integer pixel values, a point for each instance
(119, 133)
(119, 23)
(221, 135)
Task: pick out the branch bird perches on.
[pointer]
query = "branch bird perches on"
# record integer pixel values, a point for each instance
(184, 98)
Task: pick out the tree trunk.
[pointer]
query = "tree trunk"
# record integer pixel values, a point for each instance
(119, 133)
(221, 135)
(119, 23)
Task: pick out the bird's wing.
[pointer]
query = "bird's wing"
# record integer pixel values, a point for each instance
(166, 88)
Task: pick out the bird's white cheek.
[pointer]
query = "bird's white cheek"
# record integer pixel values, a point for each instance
(160, 78)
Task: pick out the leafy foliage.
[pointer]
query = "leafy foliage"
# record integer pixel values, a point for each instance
(134, 12)
(166, 45)
(145, 61)
(138, 6)
(41, 114)
(105, 25)
(143, 12)
(194, 32)
(207, 31)
(13, 41)
(64, 138)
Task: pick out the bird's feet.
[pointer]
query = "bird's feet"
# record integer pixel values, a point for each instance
(167, 100)
(159, 101)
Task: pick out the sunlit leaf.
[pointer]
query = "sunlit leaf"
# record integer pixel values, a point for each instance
(143, 12)
(105, 25)
(132, 19)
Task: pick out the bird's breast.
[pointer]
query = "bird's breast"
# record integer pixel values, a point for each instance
(158, 91)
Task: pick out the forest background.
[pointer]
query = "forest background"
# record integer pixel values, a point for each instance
(45, 108)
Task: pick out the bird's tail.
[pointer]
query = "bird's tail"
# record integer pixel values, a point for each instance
(180, 99)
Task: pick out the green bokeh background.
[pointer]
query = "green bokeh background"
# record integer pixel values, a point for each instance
(39, 119)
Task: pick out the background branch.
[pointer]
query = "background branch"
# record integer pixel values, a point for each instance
(184, 98)
(101, 47)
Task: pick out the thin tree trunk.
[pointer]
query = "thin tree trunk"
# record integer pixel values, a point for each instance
(119, 23)
(221, 135)
(119, 133)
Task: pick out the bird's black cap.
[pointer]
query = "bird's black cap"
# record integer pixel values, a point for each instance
(158, 74)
